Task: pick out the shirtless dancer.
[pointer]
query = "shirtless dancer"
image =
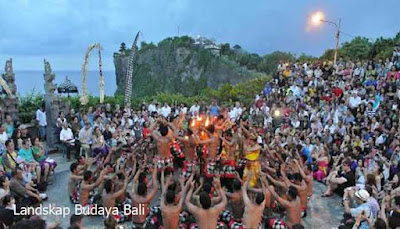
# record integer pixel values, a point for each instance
(109, 198)
(307, 175)
(74, 179)
(206, 215)
(301, 187)
(189, 148)
(236, 200)
(179, 156)
(141, 197)
(253, 208)
(229, 165)
(86, 195)
(292, 204)
(212, 149)
(170, 210)
(77, 169)
(164, 157)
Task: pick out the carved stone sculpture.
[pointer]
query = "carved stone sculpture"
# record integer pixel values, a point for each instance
(10, 101)
(53, 103)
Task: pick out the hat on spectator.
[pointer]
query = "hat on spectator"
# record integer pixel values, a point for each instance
(22, 127)
(362, 195)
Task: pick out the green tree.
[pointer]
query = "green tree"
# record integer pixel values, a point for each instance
(270, 61)
(328, 55)
(382, 48)
(304, 58)
(356, 49)
(225, 49)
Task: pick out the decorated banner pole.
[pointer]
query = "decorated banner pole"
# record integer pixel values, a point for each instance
(129, 72)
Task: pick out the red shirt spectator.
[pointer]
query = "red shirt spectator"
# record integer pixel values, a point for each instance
(337, 91)
(146, 132)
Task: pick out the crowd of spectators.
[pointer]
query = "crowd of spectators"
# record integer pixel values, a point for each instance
(335, 124)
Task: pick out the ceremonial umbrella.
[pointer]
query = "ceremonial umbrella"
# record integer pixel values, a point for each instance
(67, 87)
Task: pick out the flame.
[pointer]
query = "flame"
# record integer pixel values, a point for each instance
(199, 118)
(207, 122)
(193, 123)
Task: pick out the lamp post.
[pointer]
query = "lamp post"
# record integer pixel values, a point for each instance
(319, 17)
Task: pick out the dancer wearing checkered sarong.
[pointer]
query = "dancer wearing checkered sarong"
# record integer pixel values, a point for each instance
(164, 158)
(189, 150)
(212, 143)
(229, 146)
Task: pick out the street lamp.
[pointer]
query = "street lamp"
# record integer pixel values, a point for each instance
(319, 17)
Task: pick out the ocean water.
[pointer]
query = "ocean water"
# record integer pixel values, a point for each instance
(34, 80)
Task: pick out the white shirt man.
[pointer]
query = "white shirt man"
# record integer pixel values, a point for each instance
(152, 107)
(125, 120)
(41, 117)
(165, 110)
(354, 101)
(3, 137)
(67, 135)
(236, 111)
(296, 90)
(359, 72)
(184, 110)
(85, 135)
(265, 109)
(331, 127)
(281, 67)
(194, 110)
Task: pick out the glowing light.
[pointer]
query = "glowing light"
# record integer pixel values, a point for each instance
(199, 118)
(207, 122)
(317, 18)
(277, 113)
(193, 124)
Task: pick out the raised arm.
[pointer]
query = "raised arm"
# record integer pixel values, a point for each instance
(136, 179)
(185, 190)
(155, 186)
(283, 174)
(122, 191)
(97, 183)
(282, 201)
(153, 131)
(132, 174)
(229, 143)
(275, 182)
(191, 207)
(195, 193)
(246, 132)
(382, 213)
(246, 198)
(221, 206)
(301, 171)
